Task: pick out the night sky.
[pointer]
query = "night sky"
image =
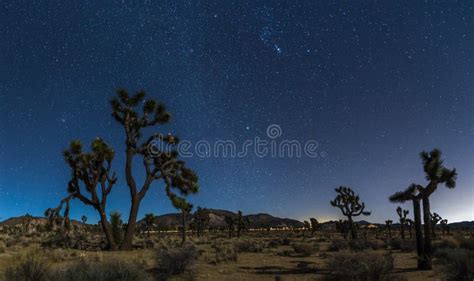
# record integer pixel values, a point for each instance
(374, 83)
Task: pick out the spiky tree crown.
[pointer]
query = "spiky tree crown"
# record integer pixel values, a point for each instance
(435, 218)
(159, 153)
(402, 213)
(408, 194)
(348, 202)
(434, 169)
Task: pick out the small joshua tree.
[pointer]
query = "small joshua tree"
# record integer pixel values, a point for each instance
(402, 214)
(444, 226)
(240, 223)
(230, 221)
(116, 223)
(149, 222)
(348, 202)
(388, 226)
(201, 217)
(185, 208)
(341, 226)
(84, 219)
(409, 224)
(314, 225)
(306, 227)
(435, 218)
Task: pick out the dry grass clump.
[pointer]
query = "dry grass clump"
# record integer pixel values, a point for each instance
(458, 264)
(176, 260)
(338, 245)
(248, 246)
(224, 253)
(30, 266)
(305, 249)
(360, 267)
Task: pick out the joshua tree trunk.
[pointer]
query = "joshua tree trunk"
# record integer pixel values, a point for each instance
(418, 233)
(183, 229)
(351, 227)
(132, 221)
(106, 228)
(402, 229)
(427, 229)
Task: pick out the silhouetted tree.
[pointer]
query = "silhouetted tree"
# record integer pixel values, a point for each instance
(230, 221)
(436, 174)
(306, 227)
(201, 217)
(341, 226)
(185, 208)
(411, 193)
(91, 174)
(84, 219)
(240, 223)
(348, 202)
(402, 214)
(160, 159)
(409, 224)
(149, 221)
(116, 223)
(444, 226)
(435, 218)
(314, 225)
(388, 226)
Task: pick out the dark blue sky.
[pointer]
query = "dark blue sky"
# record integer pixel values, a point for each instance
(375, 83)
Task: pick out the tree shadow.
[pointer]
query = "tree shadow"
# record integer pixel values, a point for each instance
(302, 267)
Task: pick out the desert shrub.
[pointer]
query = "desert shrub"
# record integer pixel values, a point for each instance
(177, 260)
(225, 253)
(286, 241)
(359, 245)
(408, 246)
(338, 244)
(247, 246)
(458, 264)
(273, 243)
(467, 244)
(445, 244)
(2, 247)
(360, 267)
(304, 249)
(30, 267)
(102, 271)
(395, 243)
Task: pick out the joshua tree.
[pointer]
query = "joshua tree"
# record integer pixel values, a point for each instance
(435, 218)
(314, 225)
(348, 202)
(116, 222)
(149, 221)
(411, 193)
(402, 214)
(306, 226)
(341, 226)
(240, 223)
(158, 163)
(201, 217)
(444, 226)
(185, 208)
(84, 219)
(388, 225)
(230, 221)
(410, 224)
(436, 174)
(90, 174)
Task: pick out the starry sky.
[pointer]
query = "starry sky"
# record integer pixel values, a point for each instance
(373, 82)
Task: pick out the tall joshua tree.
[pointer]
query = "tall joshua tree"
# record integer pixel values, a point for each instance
(435, 218)
(91, 180)
(149, 221)
(160, 159)
(411, 193)
(348, 202)
(314, 225)
(185, 208)
(402, 214)
(436, 174)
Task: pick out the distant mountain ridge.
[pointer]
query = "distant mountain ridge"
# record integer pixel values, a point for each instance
(217, 216)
